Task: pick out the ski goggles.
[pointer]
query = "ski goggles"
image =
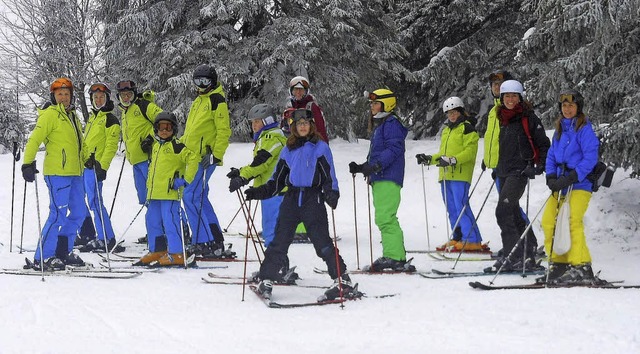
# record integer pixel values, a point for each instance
(302, 114)
(496, 77)
(127, 85)
(99, 87)
(373, 97)
(202, 82)
(168, 127)
(567, 97)
(301, 84)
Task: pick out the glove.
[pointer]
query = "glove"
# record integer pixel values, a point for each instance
(147, 144)
(234, 173)
(551, 182)
(236, 183)
(368, 169)
(529, 172)
(178, 183)
(209, 160)
(493, 174)
(539, 169)
(331, 198)
(444, 161)
(101, 174)
(565, 181)
(354, 168)
(483, 166)
(254, 193)
(29, 171)
(423, 159)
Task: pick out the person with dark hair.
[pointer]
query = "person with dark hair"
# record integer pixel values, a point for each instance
(523, 146)
(206, 133)
(571, 158)
(101, 136)
(306, 169)
(384, 170)
(457, 158)
(60, 130)
(173, 166)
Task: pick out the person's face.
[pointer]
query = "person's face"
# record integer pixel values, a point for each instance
(63, 95)
(453, 115)
(510, 100)
(126, 97)
(569, 109)
(303, 127)
(256, 125)
(376, 107)
(495, 88)
(298, 93)
(165, 129)
(99, 99)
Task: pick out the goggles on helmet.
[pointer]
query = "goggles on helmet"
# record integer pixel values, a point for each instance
(496, 77)
(568, 98)
(99, 87)
(202, 82)
(302, 114)
(374, 97)
(301, 84)
(165, 127)
(126, 86)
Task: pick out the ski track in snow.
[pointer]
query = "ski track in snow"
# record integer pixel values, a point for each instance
(174, 311)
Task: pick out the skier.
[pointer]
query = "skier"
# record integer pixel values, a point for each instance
(173, 166)
(523, 147)
(492, 143)
(384, 169)
(59, 128)
(571, 158)
(306, 168)
(269, 141)
(457, 157)
(206, 133)
(101, 135)
(301, 98)
(138, 115)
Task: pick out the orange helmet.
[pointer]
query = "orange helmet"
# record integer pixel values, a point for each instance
(62, 82)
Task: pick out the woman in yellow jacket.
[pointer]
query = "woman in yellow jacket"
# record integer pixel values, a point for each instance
(60, 130)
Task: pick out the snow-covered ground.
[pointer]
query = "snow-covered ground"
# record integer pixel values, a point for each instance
(175, 312)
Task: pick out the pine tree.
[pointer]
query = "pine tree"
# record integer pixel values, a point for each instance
(12, 126)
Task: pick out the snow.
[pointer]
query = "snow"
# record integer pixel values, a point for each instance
(174, 311)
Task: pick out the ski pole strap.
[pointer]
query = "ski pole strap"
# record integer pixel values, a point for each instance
(16, 151)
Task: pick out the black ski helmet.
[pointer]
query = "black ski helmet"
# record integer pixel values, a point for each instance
(205, 70)
(165, 116)
(571, 96)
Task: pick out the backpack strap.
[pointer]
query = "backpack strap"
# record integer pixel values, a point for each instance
(527, 131)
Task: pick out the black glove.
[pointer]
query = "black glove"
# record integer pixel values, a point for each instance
(209, 160)
(255, 193)
(529, 172)
(354, 168)
(147, 144)
(493, 174)
(331, 198)
(29, 171)
(234, 173)
(483, 166)
(565, 181)
(368, 169)
(101, 174)
(444, 161)
(236, 183)
(551, 182)
(423, 159)
(539, 169)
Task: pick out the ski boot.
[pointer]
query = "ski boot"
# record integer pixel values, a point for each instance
(344, 284)
(556, 270)
(170, 259)
(301, 238)
(289, 277)
(72, 259)
(50, 264)
(578, 275)
(382, 263)
(265, 288)
(149, 258)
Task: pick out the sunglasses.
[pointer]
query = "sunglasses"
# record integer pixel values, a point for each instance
(302, 114)
(126, 86)
(374, 97)
(202, 82)
(98, 88)
(168, 127)
(568, 98)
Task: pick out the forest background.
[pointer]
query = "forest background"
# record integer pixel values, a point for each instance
(423, 50)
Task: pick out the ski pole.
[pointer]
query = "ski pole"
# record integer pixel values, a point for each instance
(475, 223)
(39, 229)
(16, 157)
(562, 199)
(335, 250)
(426, 216)
(226, 229)
(370, 229)
(526, 241)
(113, 203)
(131, 223)
(464, 208)
(446, 202)
(355, 219)
(204, 181)
(250, 225)
(520, 240)
(100, 213)
(24, 202)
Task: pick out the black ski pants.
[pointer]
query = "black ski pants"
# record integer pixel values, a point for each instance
(510, 219)
(307, 206)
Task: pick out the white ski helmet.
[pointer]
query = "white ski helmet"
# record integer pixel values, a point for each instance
(452, 103)
(299, 82)
(511, 86)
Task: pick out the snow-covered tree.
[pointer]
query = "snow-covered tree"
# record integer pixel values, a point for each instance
(12, 126)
